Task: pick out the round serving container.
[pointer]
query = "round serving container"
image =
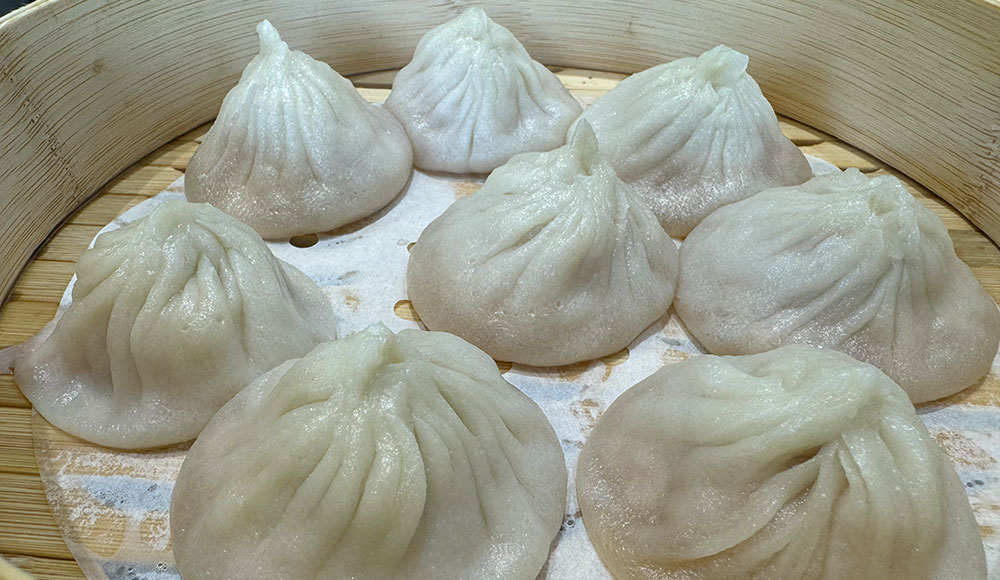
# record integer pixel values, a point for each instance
(103, 102)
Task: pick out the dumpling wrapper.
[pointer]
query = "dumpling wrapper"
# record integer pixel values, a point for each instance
(376, 456)
(472, 98)
(172, 315)
(796, 463)
(693, 135)
(847, 262)
(296, 150)
(554, 261)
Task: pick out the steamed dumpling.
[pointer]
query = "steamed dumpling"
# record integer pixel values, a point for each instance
(842, 261)
(554, 261)
(171, 316)
(800, 463)
(296, 150)
(373, 457)
(472, 98)
(693, 135)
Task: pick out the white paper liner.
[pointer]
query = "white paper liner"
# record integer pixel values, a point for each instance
(111, 504)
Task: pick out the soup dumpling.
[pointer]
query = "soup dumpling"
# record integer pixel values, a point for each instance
(171, 316)
(381, 455)
(693, 135)
(472, 98)
(795, 463)
(847, 262)
(554, 261)
(296, 150)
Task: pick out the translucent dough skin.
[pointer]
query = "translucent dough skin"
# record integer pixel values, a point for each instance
(796, 464)
(472, 98)
(373, 457)
(554, 261)
(296, 150)
(846, 262)
(172, 315)
(693, 135)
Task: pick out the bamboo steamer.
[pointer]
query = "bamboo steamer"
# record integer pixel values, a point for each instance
(94, 89)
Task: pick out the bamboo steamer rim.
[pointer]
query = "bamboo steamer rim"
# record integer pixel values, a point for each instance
(87, 88)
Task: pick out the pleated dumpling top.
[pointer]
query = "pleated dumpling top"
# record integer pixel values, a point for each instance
(693, 135)
(296, 150)
(472, 98)
(171, 316)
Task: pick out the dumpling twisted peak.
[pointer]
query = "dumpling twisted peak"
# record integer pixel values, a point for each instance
(171, 316)
(475, 26)
(796, 463)
(472, 98)
(554, 261)
(843, 261)
(722, 68)
(296, 149)
(382, 455)
(583, 147)
(693, 135)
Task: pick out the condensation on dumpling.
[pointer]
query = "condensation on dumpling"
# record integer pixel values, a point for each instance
(693, 135)
(296, 150)
(472, 98)
(381, 455)
(796, 463)
(171, 316)
(842, 261)
(554, 261)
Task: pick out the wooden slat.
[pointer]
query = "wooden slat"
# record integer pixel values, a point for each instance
(21, 319)
(843, 156)
(381, 79)
(196, 135)
(29, 528)
(10, 396)
(975, 249)
(801, 134)
(405, 310)
(146, 180)
(175, 154)
(71, 241)
(18, 451)
(43, 281)
(106, 208)
(588, 84)
(374, 95)
(48, 568)
(989, 277)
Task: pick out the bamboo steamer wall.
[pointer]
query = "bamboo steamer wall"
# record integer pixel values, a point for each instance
(88, 87)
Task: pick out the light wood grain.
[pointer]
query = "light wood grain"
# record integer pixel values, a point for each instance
(19, 318)
(29, 529)
(18, 451)
(174, 154)
(48, 568)
(843, 156)
(43, 281)
(105, 208)
(143, 179)
(72, 240)
(29, 535)
(10, 396)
